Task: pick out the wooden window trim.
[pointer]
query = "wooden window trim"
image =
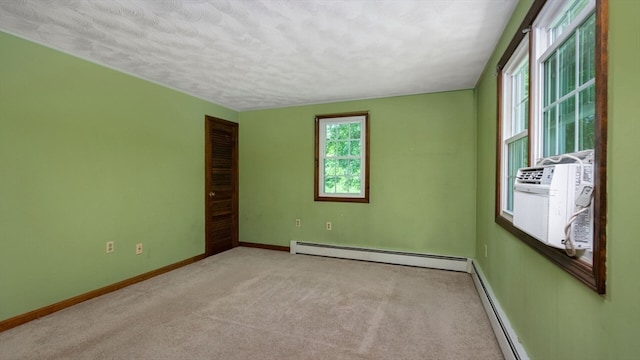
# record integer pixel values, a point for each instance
(594, 276)
(316, 179)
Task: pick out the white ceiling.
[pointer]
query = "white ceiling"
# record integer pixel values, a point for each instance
(258, 54)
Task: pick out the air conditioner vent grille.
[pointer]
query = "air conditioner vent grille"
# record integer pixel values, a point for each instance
(530, 176)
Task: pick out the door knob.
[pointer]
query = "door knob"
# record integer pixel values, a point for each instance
(212, 194)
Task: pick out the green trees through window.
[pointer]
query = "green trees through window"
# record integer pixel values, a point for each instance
(341, 157)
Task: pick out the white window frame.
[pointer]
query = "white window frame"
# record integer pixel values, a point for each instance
(592, 274)
(322, 122)
(515, 64)
(543, 46)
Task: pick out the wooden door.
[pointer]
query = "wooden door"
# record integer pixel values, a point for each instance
(221, 185)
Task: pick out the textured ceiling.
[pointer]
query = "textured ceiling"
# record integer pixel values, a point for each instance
(257, 54)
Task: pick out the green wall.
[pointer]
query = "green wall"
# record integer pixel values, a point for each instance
(90, 155)
(422, 189)
(555, 316)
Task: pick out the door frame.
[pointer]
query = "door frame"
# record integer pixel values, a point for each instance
(208, 178)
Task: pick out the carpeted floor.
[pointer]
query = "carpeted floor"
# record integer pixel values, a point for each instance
(260, 304)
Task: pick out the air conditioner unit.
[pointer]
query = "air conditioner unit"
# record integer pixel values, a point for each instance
(549, 198)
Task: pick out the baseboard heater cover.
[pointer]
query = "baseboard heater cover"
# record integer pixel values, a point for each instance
(383, 256)
(511, 347)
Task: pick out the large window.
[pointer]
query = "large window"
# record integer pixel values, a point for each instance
(552, 101)
(341, 157)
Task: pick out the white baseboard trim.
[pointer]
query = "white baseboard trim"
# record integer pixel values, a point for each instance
(506, 336)
(383, 256)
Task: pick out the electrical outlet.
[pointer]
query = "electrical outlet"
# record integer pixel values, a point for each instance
(138, 249)
(328, 225)
(110, 246)
(298, 223)
(485, 250)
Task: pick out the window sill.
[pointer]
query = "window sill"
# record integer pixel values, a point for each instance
(581, 270)
(342, 199)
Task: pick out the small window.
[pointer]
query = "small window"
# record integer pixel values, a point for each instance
(342, 157)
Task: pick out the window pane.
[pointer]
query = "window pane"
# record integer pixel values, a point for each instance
(567, 69)
(332, 131)
(517, 158)
(520, 117)
(524, 104)
(567, 17)
(550, 80)
(587, 50)
(525, 80)
(354, 148)
(331, 149)
(549, 138)
(354, 130)
(342, 148)
(341, 185)
(354, 185)
(343, 131)
(329, 185)
(330, 167)
(519, 100)
(354, 167)
(525, 114)
(567, 130)
(342, 168)
(587, 118)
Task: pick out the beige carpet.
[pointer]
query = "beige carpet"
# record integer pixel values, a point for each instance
(260, 304)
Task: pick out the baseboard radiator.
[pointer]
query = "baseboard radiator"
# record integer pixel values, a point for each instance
(383, 256)
(507, 338)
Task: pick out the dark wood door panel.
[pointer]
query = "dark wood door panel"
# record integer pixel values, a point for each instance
(220, 207)
(221, 185)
